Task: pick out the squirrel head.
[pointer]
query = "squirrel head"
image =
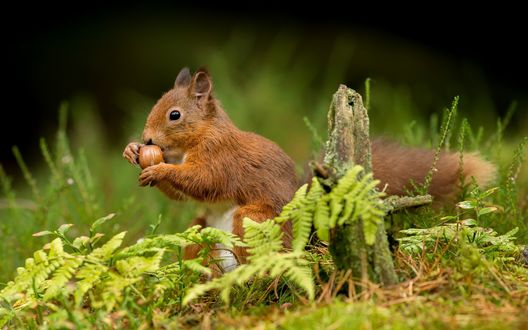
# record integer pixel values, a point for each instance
(184, 114)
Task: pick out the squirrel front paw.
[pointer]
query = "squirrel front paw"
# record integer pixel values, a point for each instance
(131, 153)
(153, 174)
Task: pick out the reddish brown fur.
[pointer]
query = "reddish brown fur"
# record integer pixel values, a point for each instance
(221, 163)
(395, 166)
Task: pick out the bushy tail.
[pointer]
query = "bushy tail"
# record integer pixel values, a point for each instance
(395, 166)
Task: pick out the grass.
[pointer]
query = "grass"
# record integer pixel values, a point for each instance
(466, 280)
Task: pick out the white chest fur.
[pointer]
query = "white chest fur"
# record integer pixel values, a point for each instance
(220, 216)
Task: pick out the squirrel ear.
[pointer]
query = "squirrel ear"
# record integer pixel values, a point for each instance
(202, 84)
(183, 79)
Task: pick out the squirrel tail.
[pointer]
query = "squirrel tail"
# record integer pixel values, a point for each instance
(396, 166)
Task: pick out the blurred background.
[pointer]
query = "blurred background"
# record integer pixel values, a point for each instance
(271, 70)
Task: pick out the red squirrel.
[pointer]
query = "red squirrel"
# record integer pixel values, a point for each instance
(207, 158)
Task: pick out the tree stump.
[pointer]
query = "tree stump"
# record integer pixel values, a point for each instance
(348, 144)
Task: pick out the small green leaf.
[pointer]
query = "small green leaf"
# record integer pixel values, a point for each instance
(64, 228)
(81, 241)
(469, 222)
(100, 221)
(486, 210)
(155, 226)
(105, 252)
(488, 192)
(96, 238)
(42, 233)
(467, 205)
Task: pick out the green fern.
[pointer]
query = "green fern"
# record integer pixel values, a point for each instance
(196, 265)
(302, 221)
(112, 290)
(264, 242)
(210, 235)
(87, 272)
(354, 197)
(61, 276)
(100, 276)
(167, 241)
(136, 266)
(105, 252)
(466, 247)
(293, 206)
(321, 216)
(300, 211)
(88, 276)
(262, 238)
(35, 271)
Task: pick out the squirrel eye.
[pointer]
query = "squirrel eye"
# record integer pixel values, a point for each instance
(175, 115)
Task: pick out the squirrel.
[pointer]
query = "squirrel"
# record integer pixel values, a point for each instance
(242, 174)
(207, 158)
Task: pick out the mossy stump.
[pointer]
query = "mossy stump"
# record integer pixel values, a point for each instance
(348, 144)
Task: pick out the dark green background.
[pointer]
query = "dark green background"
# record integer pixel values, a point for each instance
(106, 56)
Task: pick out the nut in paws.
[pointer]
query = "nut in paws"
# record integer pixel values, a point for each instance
(152, 175)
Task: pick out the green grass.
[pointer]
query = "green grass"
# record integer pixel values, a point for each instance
(468, 280)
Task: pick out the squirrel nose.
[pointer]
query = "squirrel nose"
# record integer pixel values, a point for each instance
(149, 142)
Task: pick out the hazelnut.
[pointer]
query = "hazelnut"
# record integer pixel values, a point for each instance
(150, 155)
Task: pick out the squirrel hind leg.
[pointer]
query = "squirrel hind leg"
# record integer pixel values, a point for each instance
(258, 212)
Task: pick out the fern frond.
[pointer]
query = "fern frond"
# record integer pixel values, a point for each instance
(335, 206)
(321, 218)
(105, 252)
(486, 240)
(136, 266)
(212, 235)
(359, 197)
(262, 238)
(56, 249)
(153, 244)
(346, 183)
(296, 203)
(354, 197)
(196, 265)
(6, 315)
(112, 291)
(301, 274)
(291, 265)
(265, 243)
(61, 276)
(200, 289)
(35, 272)
(89, 275)
(302, 220)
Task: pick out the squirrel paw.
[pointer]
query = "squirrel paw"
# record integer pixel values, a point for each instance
(152, 174)
(131, 153)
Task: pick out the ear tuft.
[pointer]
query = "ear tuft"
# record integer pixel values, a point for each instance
(183, 79)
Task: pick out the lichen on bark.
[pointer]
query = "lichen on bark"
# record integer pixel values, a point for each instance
(348, 144)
